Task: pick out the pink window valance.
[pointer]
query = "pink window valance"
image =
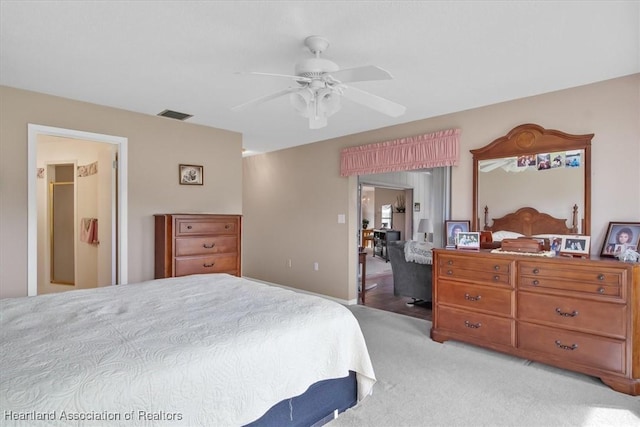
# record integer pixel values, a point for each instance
(429, 150)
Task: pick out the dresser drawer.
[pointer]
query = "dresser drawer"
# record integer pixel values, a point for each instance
(476, 276)
(206, 245)
(190, 227)
(587, 279)
(475, 269)
(484, 298)
(588, 288)
(584, 349)
(495, 265)
(206, 264)
(573, 313)
(602, 275)
(497, 330)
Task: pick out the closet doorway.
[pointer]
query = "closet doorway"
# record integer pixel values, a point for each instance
(92, 185)
(60, 211)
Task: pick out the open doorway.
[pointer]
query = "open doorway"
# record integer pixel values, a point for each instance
(426, 196)
(49, 148)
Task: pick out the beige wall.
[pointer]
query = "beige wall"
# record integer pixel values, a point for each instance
(156, 146)
(292, 197)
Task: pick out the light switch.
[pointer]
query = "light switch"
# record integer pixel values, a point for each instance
(341, 219)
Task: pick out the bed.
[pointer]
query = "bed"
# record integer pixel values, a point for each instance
(210, 349)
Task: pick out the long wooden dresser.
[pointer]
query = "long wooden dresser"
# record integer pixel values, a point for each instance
(197, 243)
(577, 314)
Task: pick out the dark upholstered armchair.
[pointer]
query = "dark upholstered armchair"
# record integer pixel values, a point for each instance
(410, 279)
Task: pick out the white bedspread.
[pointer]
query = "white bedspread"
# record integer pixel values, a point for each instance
(209, 350)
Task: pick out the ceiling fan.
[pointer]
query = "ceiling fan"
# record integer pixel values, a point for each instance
(320, 84)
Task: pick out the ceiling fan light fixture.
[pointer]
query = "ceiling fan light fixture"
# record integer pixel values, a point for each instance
(319, 87)
(316, 105)
(327, 102)
(317, 122)
(301, 100)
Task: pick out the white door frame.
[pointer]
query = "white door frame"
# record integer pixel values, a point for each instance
(121, 260)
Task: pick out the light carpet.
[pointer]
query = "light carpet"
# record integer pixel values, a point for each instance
(425, 383)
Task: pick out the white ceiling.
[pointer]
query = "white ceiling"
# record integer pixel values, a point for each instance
(445, 56)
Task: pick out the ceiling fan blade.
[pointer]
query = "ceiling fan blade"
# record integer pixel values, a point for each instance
(374, 102)
(361, 74)
(266, 98)
(290, 76)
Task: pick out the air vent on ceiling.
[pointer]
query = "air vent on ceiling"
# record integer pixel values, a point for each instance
(175, 115)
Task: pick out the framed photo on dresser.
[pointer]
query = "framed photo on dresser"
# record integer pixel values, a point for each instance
(575, 245)
(620, 237)
(468, 240)
(453, 227)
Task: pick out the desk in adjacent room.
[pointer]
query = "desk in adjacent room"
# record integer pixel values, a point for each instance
(380, 239)
(362, 260)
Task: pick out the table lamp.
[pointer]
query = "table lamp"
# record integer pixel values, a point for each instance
(425, 226)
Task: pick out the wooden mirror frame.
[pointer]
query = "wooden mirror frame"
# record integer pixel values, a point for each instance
(530, 139)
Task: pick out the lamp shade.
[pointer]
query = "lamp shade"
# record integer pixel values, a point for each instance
(425, 226)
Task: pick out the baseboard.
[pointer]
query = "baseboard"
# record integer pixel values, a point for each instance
(302, 291)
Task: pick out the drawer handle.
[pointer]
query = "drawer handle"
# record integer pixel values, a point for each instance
(536, 271)
(208, 246)
(496, 278)
(189, 227)
(566, 347)
(208, 265)
(470, 298)
(601, 290)
(600, 276)
(472, 325)
(449, 272)
(535, 282)
(574, 313)
(496, 267)
(450, 262)
(227, 227)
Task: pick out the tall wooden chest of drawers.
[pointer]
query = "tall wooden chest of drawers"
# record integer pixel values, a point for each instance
(577, 314)
(197, 243)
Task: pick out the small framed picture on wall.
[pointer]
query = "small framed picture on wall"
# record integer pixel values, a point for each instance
(191, 175)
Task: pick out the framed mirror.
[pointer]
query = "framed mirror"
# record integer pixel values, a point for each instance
(542, 175)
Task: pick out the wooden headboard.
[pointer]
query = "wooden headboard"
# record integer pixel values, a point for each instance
(529, 221)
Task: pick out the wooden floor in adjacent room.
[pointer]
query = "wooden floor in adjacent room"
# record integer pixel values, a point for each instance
(381, 297)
